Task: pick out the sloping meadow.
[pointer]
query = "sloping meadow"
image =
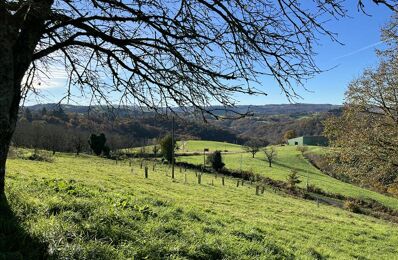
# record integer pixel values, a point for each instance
(92, 208)
(288, 159)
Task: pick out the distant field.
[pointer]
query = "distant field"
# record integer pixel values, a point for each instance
(197, 146)
(90, 208)
(289, 158)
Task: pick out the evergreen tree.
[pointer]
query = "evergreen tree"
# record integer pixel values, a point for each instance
(293, 180)
(44, 111)
(215, 159)
(28, 115)
(97, 143)
(167, 146)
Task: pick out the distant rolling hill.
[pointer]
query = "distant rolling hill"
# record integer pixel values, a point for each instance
(266, 121)
(281, 109)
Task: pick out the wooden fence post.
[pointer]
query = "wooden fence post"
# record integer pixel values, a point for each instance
(185, 178)
(142, 162)
(222, 181)
(262, 189)
(199, 178)
(237, 183)
(153, 167)
(146, 172)
(243, 182)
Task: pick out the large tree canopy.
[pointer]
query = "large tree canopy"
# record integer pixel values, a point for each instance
(158, 53)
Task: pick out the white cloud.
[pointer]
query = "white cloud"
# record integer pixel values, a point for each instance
(55, 78)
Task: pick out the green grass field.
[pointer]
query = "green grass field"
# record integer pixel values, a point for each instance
(195, 146)
(90, 208)
(199, 145)
(289, 158)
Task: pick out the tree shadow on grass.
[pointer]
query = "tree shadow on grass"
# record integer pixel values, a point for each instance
(15, 242)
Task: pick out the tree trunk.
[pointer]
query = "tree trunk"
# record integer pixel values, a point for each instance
(9, 95)
(9, 105)
(3, 150)
(18, 40)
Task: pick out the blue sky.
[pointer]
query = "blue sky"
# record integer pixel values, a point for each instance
(360, 35)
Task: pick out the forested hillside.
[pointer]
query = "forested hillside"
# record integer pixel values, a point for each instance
(127, 127)
(58, 130)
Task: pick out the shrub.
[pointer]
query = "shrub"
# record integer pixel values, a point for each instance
(314, 189)
(41, 156)
(167, 146)
(302, 149)
(393, 189)
(106, 151)
(293, 180)
(352, 206)
(215, 159)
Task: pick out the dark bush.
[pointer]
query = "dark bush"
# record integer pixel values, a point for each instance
(106, 151)
(167, 146)
(215, 159)
(97, 143)
(41, 156)
(314, 189)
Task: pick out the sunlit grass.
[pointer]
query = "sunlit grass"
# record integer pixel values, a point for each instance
(90, 208)
(288, 159)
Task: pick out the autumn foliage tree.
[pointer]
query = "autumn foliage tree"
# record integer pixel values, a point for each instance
(366, 135)
(156, 53)
(289, 134)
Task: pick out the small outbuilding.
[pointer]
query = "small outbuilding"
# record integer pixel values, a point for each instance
(316, 140)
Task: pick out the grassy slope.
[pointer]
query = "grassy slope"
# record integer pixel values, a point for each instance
(289, 158)
(197, 146)
(90, 208)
